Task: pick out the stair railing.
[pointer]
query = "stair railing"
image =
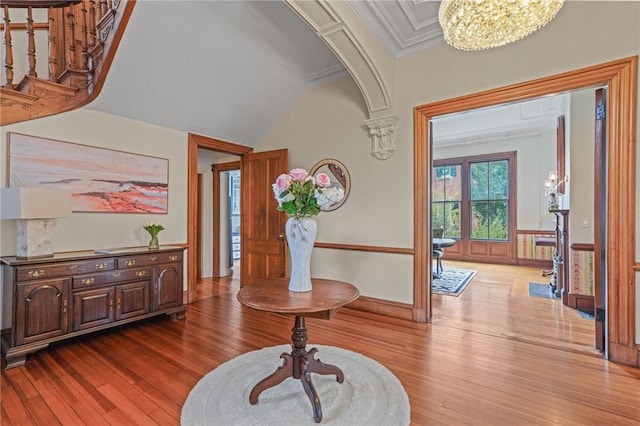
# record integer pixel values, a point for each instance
(81, 39)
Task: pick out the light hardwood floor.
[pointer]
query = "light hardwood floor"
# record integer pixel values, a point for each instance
(492, 356)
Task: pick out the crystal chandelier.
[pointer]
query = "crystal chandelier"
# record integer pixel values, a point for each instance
(483, 24)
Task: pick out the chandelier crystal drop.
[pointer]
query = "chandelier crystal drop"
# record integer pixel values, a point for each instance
(484, 24)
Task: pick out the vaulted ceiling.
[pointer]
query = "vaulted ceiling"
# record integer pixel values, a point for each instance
(231, 69)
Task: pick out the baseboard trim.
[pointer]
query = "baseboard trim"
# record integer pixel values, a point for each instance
(582, 302)
(627, 355)
(539, 263)
(383, 307)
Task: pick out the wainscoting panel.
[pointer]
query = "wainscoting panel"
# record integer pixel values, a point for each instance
(582, 269)
(527, 248)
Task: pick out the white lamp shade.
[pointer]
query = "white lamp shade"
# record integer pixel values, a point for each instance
(34, 203)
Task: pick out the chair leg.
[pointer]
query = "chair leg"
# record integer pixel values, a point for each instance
(438, 272)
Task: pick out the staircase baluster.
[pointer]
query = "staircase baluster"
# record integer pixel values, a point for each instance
(53, 47)
(71, 40)
(92, 23)
(91, 28)
(98, 9)
(8, 50)
(31, 44)
(85, 33)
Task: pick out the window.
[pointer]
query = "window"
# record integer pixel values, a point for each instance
(446, 172)
(447, 199)
(471, 197)
(489, 201)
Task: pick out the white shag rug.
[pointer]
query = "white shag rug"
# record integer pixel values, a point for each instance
(369, 395)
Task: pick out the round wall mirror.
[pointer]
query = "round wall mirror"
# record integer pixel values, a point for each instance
(339, 176)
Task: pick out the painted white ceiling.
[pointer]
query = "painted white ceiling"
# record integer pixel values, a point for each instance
(501, 122)
(231, 69)
(404, 27)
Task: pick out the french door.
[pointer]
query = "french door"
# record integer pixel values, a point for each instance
(474, 202)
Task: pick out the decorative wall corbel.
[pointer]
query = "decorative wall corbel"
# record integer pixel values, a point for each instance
(382, 132)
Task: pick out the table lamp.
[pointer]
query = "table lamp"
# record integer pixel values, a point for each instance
(35, 210)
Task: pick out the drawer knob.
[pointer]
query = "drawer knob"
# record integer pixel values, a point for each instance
(130, 262)
(152, 258)
(101, 266)
(87, 281)
(116, 274)
(173, 257)
(141, 273)
(37, 273)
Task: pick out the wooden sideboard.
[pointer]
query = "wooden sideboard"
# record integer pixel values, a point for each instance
(76, 293)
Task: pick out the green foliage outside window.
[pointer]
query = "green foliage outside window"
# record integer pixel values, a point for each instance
(489, 200)
(447, 197)
(447, 215)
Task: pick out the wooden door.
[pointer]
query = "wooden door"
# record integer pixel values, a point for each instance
(600, 213)
(262, 242)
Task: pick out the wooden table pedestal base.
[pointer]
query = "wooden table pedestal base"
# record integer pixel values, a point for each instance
(299, 364)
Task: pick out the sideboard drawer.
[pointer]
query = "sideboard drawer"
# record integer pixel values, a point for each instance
(112, 277)
(27, 273)
(149, 259)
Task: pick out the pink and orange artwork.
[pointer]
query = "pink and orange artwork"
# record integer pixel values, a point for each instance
(99, 179)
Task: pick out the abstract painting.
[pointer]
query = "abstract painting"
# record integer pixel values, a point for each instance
(99, 179)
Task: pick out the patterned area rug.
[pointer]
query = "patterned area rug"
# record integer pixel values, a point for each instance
(585, 315)
(541, 290)
(452, 281)
(370, 394)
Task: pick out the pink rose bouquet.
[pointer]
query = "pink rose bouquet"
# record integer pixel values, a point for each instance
(300, 194)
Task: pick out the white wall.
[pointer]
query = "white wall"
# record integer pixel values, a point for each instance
(327, 122)
(206, 252)
(581, 173)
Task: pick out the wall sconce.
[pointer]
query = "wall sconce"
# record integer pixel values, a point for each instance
(551, 185)
(35, 210)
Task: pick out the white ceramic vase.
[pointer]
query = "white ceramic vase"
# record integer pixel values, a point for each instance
(301, 235)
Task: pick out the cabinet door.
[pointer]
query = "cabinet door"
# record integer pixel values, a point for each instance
(41, 310)
(168, 286)
(92, 308)
(133, 299)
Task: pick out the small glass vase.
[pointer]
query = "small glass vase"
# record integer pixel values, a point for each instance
(153, 243)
